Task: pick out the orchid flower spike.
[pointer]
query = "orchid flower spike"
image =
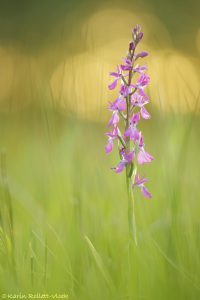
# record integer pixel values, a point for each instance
(128, 110)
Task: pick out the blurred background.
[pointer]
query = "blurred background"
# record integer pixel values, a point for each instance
(59, 53)
(63, 212)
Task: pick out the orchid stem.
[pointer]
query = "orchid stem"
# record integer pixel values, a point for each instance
(131, 207)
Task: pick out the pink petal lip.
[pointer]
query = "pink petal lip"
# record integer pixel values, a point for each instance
(145, 114)
(109, 147)
(144, 157)
(145, 192)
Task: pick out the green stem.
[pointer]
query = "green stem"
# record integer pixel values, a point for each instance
(131, 207)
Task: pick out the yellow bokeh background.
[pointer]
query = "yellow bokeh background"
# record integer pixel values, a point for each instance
(76, 81)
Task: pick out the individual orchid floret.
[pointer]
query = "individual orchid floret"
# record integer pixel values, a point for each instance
(127, 64)
(143, 157)
(117, 76)
(141, 84)
(113, 135)
(125, 90)
(139, 99)
(119, 104)
(114, 119)
(139, 182)
(127, 159)
(143, 81)
(132, 132)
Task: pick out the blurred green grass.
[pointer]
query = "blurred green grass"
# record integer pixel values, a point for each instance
(70, 210)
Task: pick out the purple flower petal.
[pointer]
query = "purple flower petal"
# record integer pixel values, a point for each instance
(140, 181)
(141, 158)
(109, 147)
(129, 157)
(143, 94)
(125, 90)
(113, 85)
(131, 46)
(140, 69)
(144, 157)
(140, 36)
(118, 104)
(139, 98)
(133, 133)
(113, 134)
(127, 133)
(141, 144)
(120, 167)
(114, 119)
(126, 67)
(143, 80)
(121, 106)
(114, 74)
(145, 192)
(135, 118)
(141, 54)
(145, 114)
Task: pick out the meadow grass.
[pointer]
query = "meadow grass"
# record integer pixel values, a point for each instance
(63, 212)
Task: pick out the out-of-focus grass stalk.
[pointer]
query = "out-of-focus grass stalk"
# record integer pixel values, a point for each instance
(8, 203)
(45, 262)
(99, 264)
(32, 270)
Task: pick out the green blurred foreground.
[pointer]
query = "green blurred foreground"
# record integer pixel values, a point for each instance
(63, 212)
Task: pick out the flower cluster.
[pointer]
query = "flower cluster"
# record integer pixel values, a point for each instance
(128, 109)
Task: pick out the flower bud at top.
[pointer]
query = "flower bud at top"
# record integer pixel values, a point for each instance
(136, 29)
(137, 34)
